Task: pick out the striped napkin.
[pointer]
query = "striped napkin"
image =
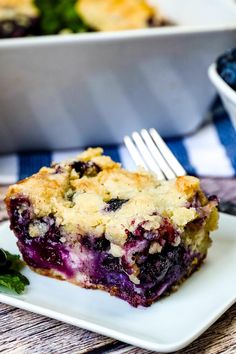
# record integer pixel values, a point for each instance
(209, 152)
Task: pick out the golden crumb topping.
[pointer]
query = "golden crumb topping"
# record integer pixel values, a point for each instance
(93, 194)
(115, 15)
(9, 9)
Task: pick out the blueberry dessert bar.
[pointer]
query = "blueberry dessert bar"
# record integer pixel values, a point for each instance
(90, 222)
(18, 18)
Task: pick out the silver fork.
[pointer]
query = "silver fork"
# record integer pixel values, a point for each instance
(149, 151)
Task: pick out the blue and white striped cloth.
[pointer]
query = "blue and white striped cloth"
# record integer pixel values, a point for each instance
(211, 151)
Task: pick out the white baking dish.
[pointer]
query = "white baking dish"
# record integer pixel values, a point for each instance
(66, 91)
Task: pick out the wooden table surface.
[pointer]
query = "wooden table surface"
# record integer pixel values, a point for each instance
(24, 332)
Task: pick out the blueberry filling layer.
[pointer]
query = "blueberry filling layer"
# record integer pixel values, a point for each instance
(157, 273)
(43, 250)
(165, 233)
(39, 240)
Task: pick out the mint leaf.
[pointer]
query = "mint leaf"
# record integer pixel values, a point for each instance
(15, 262)
(58, 15)
(11, 257)
(12, 282)
(10, 277)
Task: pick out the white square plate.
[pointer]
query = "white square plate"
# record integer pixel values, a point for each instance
(166, 326)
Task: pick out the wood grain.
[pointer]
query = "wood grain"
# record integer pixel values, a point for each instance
(22, 332)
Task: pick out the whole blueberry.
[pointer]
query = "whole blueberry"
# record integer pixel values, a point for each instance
(226, 67)
(228, 74)
(114, 204)
(233, 53)
(89, 168)
(222, 62)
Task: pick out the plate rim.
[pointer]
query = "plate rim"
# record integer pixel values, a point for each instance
(108, 332)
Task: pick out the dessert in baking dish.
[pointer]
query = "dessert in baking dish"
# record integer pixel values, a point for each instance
(115, 15)
(18, 18)
(90, 222)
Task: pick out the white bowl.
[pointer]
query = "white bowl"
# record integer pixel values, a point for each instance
(227, 94)
(93, 88)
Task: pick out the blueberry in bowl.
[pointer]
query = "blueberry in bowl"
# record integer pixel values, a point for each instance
(92, 223)
(226, 67)
(222, 74)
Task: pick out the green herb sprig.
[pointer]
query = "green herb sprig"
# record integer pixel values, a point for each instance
(10, 276)
(59, 15)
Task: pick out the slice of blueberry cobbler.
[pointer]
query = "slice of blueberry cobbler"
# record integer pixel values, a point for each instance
(99, 226)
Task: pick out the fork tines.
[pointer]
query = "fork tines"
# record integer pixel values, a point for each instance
(149, 151)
